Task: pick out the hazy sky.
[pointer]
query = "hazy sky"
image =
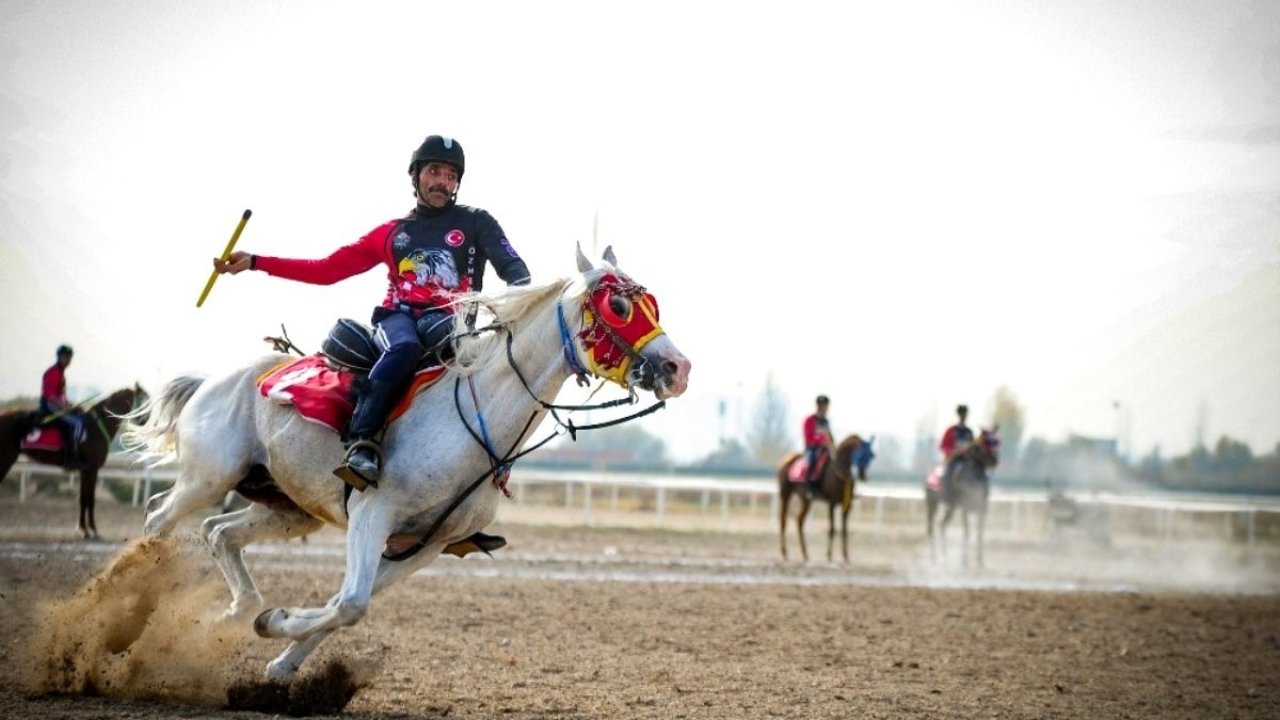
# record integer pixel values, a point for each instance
(902, 205)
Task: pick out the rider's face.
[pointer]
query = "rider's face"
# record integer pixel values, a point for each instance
(437, 182)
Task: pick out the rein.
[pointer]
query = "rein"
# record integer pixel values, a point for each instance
(500, 465)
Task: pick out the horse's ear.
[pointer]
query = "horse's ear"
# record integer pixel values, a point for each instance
(584, 265)
(609, 257)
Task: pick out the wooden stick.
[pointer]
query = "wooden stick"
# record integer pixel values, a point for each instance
(231, 245)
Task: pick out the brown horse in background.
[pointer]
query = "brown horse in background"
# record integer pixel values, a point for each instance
(835, 486)
(102, 420)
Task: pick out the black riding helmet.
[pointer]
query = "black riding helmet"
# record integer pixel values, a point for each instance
(438, 148)
(64, 350)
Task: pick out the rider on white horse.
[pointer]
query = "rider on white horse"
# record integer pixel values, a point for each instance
(437, 251)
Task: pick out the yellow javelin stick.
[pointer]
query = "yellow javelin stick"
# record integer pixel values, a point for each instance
(231, 245)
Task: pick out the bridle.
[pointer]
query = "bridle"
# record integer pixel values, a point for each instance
(500, 464)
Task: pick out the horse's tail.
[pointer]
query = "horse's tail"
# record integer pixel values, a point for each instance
(150, 429)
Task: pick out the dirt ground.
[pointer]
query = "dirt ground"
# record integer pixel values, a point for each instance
(613, 622)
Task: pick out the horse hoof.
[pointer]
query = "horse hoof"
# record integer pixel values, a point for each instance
(280, 672)
(262, 623)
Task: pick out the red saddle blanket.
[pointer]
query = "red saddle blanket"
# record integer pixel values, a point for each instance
(47, 438)
(323, 395)
(934, 480)
(798, 468)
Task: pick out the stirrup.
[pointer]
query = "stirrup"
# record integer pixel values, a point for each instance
(354, 477)
(478, 542)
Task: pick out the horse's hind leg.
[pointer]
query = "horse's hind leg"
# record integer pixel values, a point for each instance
(804, 513)
(154, 502)
(205, 475)
(229, 533)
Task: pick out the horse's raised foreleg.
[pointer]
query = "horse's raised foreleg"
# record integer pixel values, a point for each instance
(229, 533)
(964, 555)
(287, 664)
(367, 534)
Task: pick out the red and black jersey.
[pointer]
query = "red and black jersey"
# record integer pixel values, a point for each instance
(53, 388)
(430, 256)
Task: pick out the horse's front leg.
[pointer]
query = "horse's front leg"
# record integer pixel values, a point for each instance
(964, 555)
(367, 533)
(982, 523)
(88, 485)
(942, 530)
(286, 665)
(782, 520)
(831, 530)
(844, 532)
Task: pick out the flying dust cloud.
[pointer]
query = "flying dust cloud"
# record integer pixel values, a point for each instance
(146, 627)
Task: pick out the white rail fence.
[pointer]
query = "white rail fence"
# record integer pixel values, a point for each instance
(1019, 511)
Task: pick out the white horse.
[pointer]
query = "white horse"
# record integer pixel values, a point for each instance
(969, 492)
(440, 453)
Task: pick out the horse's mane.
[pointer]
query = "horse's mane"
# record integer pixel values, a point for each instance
(105, 401)
(509, 309)
(844, 450)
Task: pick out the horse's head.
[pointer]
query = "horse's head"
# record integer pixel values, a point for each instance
(124, 400)
(619, 337)
(988, 445)
(859, 452)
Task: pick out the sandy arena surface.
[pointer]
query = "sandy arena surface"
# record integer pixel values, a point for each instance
(642, 623)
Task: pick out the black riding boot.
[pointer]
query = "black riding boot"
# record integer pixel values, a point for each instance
(71, 457)
(363, 463)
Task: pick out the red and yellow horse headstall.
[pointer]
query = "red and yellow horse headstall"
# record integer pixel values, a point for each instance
(618, 319)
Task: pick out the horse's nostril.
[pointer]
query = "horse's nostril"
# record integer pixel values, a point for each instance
(670, 367)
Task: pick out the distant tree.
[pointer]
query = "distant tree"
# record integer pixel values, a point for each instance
(1231, 457)
(1011, 418)
(20, 402)
(769, 436)
(1151, 468)
(731, 455)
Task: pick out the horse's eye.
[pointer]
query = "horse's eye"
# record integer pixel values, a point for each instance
(616, 310)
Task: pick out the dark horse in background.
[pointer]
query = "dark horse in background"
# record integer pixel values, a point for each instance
(102, 420)
(968, 490)
(835, 486)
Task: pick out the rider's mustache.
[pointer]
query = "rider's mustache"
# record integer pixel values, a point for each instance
(438, 188)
